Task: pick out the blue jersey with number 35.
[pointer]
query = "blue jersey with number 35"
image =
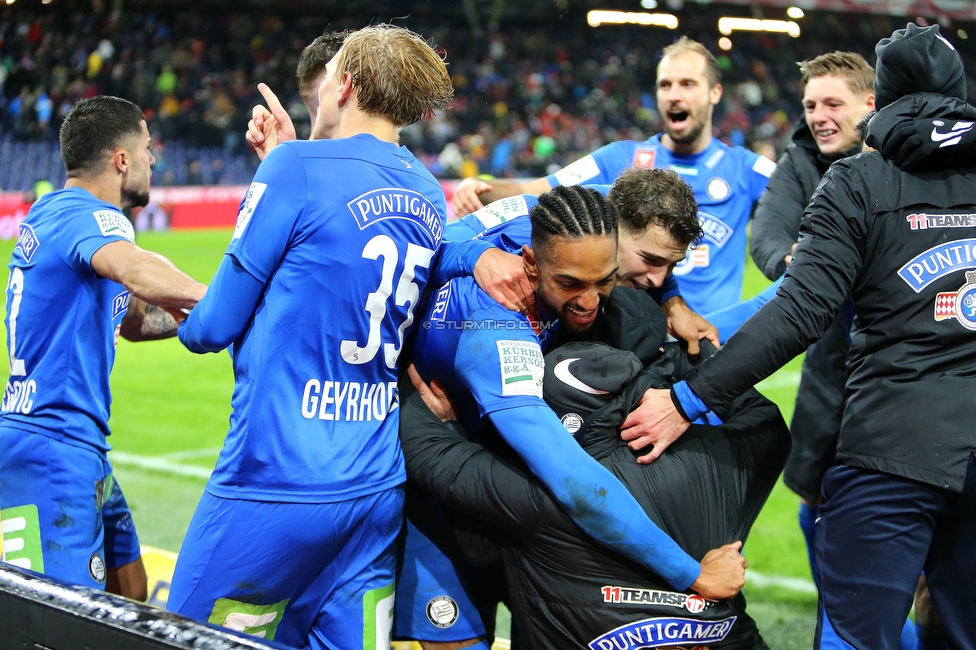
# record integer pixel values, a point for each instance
(343, 233)
(63, 319)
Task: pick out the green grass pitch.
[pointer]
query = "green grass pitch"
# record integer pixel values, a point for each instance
(170, 412)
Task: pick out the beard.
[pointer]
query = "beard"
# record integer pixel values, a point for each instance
(135, 198)
(689, 137)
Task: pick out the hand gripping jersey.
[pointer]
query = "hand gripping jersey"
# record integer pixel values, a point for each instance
(490, 360)
(63, 319)
(343, 233)
(727, 181)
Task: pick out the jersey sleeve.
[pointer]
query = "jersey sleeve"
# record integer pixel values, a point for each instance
(84, 231)
(465, 475)
(761, 168)
(271, 210)
(499, 360)
(668, 290)
(601, 166)
(593, 497)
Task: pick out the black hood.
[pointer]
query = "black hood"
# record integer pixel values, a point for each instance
(612, 370)
(924, 132)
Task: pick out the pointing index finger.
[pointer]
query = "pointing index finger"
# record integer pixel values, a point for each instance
(274, 105)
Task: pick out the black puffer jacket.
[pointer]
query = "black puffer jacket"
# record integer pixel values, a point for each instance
(566, 591)
(776, 224)
(902, 244)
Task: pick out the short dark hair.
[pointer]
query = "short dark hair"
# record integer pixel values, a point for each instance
(314, 57)
(655, 196)
(570, 212)
(93, 129)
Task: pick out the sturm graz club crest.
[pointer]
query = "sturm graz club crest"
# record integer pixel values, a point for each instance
(442, 611)
(960, 304)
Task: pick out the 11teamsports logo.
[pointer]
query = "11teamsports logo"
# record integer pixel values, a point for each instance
(634, 596)
(960, 305)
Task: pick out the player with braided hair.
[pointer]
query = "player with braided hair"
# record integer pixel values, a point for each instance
(491, 360)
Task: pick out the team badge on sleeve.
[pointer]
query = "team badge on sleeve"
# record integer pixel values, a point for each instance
(578, 172)
(111, 222)
(960, 304)
(522, 368)
(498, 212)
(254, 194)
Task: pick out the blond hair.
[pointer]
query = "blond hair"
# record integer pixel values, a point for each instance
(683, 45)
(850, 66)
(395, 73)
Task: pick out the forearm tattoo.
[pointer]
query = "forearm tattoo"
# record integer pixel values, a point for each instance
(157, 323)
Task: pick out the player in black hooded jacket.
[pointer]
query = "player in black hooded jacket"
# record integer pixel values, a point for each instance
(901, 241)
(838, 93)
(566, 590)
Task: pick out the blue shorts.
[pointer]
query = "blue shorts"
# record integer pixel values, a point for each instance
(62, 512)
(435, 599)
(875, 535)
(316, 575)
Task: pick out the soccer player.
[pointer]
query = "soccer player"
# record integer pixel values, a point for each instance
(78, 282)
(727, 181)
(272, 125)
(656, 230)
(491, 360)
(903, 496)
(564, 589)
(838, 94)
(294, 536)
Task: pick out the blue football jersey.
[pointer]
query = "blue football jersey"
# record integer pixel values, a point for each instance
(727, 182)
(63, 319)
(343, 234)
(490, 357)
(505, 223)
(490, 360)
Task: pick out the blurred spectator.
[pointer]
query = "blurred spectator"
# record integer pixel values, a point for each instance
(536, 92)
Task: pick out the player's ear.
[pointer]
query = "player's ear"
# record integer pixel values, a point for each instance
(345, 88)
(530, 264)
(715, 94)
(120, 160)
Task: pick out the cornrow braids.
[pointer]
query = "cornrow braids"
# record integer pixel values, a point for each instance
(571, 212)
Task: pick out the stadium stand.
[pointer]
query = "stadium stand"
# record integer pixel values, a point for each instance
(40, 613)
(533, 93)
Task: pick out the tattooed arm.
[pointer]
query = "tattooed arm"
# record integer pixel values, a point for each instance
(145, 322)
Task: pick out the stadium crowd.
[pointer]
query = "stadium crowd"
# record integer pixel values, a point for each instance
(530, 96)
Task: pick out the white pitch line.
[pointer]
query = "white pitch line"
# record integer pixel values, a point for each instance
(159, 464)
(793, 584)
(192, 453)
(164, 465)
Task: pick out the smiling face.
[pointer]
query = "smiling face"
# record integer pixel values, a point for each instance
(573, 277)
(832, 110)
(685, 99)
(645, 260)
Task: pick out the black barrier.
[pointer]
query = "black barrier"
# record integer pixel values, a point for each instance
(37, 612)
